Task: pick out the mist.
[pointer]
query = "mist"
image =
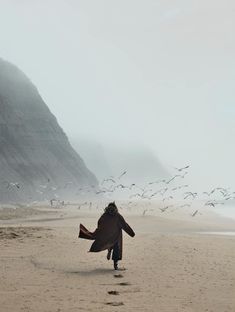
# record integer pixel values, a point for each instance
(134, 73)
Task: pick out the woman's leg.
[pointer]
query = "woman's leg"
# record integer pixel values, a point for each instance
(109, 253)
(115, 256)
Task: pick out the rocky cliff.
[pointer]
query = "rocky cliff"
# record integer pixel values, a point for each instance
(37, 161)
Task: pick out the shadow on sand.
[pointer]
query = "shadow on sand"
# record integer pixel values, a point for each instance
(100, 271)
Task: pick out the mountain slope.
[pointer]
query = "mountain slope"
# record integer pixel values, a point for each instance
(34, 150)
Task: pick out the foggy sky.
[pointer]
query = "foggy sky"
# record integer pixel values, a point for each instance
(159, 73)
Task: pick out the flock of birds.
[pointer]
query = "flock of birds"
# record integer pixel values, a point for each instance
(167, 191)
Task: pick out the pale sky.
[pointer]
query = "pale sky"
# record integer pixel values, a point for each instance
(159, 73)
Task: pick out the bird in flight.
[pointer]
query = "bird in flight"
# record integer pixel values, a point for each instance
(185, 205)
(190, 194)
(181, 169)
(165, 208)
(167, 198)
(122, 174)
(169, 181)
(157, 182)
(194, 214)
(108, 180)
(213, 203)
(180, 187)
(12, 184)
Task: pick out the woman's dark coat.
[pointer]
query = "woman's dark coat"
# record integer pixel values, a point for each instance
(108, 233)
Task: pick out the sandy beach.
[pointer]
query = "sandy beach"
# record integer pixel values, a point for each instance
(170, 265)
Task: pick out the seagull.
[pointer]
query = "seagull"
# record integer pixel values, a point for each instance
(206, 193)
(185, 205)
(12, 184)
(157, 182)
(213, 203)
(194, 214)
(163, 191)
(177, 175)
(40, 192)
(100, 192)
(183, 176)
(210, 204)
(107, 180)
(120, 186)
(165, 208)
(180, 187)
(155, 193)
(229, 194)
(138, 195)
(222, 190)
(135, 195)
(144, 212)
(122, 174)
(213, 191)
(181, 169)
(230, 197)
(15, 184)
(167, 198)
(188, 194)
(141, 188)
(131, 186)
(43, 186)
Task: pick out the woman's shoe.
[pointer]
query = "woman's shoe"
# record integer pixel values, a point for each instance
(115, 265)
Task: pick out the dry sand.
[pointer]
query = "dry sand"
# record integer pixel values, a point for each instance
(169, 266)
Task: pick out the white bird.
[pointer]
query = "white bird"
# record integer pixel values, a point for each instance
(177, 175)
(43, 186)
(213, 203)
(122, 174)
(181, 169)
(188, 194)
(165, 208)
(229, 198)
(12, 184)
(185, 205)
(194, 214)
(157, 182)
(167, 198)
(108, 180)
(180, 187)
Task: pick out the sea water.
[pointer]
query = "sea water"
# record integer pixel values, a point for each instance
(227, 211)
(227, 233)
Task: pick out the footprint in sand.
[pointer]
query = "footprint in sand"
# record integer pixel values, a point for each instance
(115, 304)
(118, 275)
(113, 292)
(124, 284)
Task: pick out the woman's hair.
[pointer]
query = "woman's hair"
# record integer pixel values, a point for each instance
(111, 209)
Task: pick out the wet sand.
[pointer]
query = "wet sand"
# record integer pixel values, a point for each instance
(169, 265)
